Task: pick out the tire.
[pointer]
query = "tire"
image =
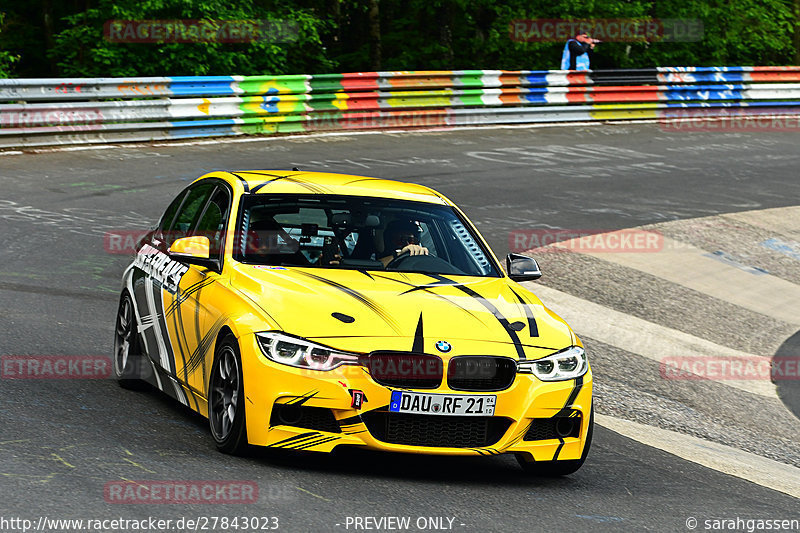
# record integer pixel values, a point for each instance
(226, 408)
(128, 359)
(558, 468)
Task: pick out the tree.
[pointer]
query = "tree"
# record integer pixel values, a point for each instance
(7, 59)
(42, 38)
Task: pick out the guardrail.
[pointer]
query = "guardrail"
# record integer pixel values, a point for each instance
(46, 112)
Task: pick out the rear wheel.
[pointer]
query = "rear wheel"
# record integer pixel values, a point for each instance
(557, 468)
(127, 357)
(226, 399)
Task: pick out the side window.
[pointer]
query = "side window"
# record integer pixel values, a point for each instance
(212, 221)
(426, 239)
(165, 223)
(190, 211)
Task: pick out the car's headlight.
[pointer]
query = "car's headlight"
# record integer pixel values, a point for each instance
(301, 353)
(569, 363)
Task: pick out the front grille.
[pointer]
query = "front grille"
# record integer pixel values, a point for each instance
(301, 416)
(436, 430)
(481, 373)
(404, 369)
(553, 428)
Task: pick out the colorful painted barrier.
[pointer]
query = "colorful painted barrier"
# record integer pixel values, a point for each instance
(45, 112)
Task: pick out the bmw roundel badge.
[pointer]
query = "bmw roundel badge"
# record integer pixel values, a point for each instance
(443, 346)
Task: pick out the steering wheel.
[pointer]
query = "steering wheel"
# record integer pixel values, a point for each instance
(422, 263)
(394, 263)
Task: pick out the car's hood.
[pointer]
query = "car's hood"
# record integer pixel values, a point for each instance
(350, 309)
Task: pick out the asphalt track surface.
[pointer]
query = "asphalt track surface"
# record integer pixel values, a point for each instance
(63, 440)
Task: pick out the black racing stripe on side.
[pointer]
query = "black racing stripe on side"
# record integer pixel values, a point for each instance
(138, 295)
(573, 395)
(492, 309)
(184, 295)
(259, 173)
(300, 400)
(177, 320)
(304, 445)
(308, 186)
(366, 274)
(362, 179)
(355, 432)
(419, 338)
(521, 434)
(264, 184)
(350, 420)
(558, 450)
(533, 329)
(201, 346)
(244, 182)
(161, 323)
(296, 437)
(316, 443)
(372, 305)
(300, 442)
(198, 355)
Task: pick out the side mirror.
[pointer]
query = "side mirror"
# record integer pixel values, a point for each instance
(522, 268)
(194, 250)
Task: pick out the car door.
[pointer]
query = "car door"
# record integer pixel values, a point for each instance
(193, 316)
(160, 284)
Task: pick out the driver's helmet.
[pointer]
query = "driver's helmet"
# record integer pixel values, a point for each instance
(262, 236)
(399, 233)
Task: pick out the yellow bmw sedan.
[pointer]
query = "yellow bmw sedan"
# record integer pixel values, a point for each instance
(308, 311)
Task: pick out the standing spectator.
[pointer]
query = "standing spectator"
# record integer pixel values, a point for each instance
(576, 52)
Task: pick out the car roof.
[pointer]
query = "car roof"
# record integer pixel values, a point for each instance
(324, 183)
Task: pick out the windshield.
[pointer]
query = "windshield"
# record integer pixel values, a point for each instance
(358, 232)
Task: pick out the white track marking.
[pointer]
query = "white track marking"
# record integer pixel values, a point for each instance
(436, 129)
(639, 336)
(784, 221)
(246, 139)
(691, 267)
(748, 466)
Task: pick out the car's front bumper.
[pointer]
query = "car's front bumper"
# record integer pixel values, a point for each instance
(268, 384)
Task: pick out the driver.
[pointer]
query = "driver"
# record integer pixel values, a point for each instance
(399, 237)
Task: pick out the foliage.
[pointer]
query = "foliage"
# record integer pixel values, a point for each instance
(7, 59)
(41, 38)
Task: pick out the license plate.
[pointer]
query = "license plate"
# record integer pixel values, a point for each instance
(442, 404)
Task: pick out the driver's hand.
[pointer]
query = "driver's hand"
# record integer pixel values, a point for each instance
(414, 249)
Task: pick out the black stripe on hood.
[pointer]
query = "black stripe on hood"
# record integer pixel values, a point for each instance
(368, 302)
(490, 307)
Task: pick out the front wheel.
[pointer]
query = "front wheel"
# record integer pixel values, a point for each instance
(226, 399)
(558, 468)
